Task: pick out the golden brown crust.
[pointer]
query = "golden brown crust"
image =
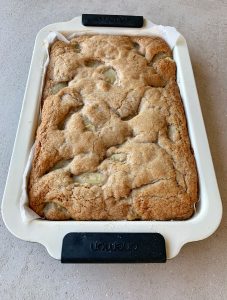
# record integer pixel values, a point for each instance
(113, 141)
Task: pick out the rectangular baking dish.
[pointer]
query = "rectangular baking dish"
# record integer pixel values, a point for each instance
(51, 233)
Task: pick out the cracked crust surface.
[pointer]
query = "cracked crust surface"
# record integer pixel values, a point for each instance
(113, 141)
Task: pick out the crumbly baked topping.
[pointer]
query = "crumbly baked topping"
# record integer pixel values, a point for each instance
(113, 141)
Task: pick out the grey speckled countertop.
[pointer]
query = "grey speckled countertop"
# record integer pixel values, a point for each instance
(200, 270)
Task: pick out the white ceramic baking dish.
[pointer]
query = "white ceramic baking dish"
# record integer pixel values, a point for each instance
(51, 233)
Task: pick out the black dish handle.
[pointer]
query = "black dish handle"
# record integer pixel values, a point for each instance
(113, 248)
(112, 20)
